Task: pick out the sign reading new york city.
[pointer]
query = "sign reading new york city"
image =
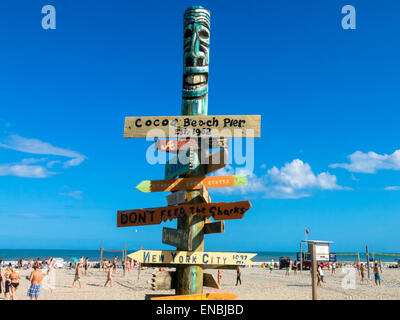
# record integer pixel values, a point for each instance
(193, 126)
(191, 257)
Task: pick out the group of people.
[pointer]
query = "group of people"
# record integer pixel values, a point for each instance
(10, 277)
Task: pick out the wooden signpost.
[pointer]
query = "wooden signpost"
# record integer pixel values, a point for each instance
(201, 296)
(177, 238)
(177, 197)
(193, 126)
(181, 196)
(180, 165)
(191, 183)
(217, 210)
(214, 227)
(192, 257)
(166, 280)
(189, 203)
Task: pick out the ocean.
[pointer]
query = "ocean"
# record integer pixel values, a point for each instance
(94, 255)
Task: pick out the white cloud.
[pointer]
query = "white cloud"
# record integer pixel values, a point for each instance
(292, 181)
(24, 171)
(77, 194)
(393, 188)
(370, 162)
(36, 146)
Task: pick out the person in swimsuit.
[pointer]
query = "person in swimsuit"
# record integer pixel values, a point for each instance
(77, 276)
(271, 266)
(36, 280)
(220, 276)
(86, 265)
(362, 270)
(15, 277)
(7, 281)
(109, 275)
(238, 274)
(1, 281)
(378, 279)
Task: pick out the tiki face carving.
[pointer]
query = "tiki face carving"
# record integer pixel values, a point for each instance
(196, 53)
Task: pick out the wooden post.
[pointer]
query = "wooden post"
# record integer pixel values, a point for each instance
(125, 252)
(101, 257)
(301, 258)
(189, 278)
(367, 254)
(314, 271)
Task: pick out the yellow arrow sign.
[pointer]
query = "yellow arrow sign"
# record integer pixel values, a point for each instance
(190, 257)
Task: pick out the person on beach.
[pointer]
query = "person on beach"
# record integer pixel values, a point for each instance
(271, 266)
(362, 270)
(238, 274)
(77, 276)
(35, 278)
(1, 281)
(7, 281)
(15, 278)
(333, 265)
(114, 263)
(109, 275)
(320, 275)
(377, 275)
(86, 264)
(219, 276)
(288, 267)
(295, 266)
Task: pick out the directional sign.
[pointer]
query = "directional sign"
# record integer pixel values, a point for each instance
(216, 161)
(214, 227)
(193, 126)
(181, 196)
(179, 238)
(176, 145)
(200, 296)
(183, 163)
(217, 210)
(177, 197)
(204, 194)
(192, 257)
(192, 183)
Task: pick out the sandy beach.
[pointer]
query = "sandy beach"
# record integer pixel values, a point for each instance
(257, 284)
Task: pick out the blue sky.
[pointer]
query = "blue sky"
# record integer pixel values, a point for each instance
(328, 158)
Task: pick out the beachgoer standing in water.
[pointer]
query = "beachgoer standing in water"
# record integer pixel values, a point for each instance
(109, 275)
(36, 281)
(77, 276)
(238, 274)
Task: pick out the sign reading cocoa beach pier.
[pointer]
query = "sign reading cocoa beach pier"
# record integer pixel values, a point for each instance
(193, 126)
